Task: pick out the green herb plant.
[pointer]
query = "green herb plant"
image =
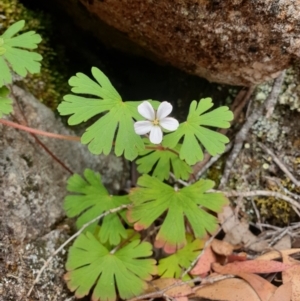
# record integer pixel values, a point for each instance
(113, 258)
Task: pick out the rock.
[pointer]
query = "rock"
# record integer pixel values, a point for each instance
(32, 189)
(238, 42)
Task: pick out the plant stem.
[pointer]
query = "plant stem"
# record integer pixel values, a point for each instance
(38, 132)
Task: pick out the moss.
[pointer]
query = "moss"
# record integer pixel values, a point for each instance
(275, 211)
(51, 84)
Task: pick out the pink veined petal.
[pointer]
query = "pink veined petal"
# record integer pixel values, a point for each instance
(169, 123)
(143, 127)
(164, 109)
(146, 110)
(156, 135)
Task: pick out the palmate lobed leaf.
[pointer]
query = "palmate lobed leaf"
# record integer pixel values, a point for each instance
(162, 162)
(173, 265)
(89, 200)
(193, 131)
(117, 123)
(153, 198)
(90, 264)
(5, 102)
(20, 60)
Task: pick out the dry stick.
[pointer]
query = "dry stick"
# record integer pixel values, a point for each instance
(277, 181)
(212, 161)
(280, 164)
(242, 134)
(162, 292)
(256, 213)
(239, 103)
(69, 240)
(274, 194)
(278, 237)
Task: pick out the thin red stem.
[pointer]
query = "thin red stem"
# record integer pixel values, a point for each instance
(65, 137)
(39, 132)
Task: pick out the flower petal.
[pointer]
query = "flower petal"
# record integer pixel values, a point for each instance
(156, 135)
(143, 127)
(169, 123)
(164, 109)
(146, 110)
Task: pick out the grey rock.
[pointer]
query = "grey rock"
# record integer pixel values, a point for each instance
(32, 189)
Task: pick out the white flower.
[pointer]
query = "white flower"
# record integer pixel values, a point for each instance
(155, 121)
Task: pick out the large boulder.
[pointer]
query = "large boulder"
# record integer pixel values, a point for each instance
(238, 42)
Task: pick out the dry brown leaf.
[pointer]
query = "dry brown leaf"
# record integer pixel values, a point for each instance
(175, 292)
(237, 232)
(239, 257)
(292, 275)
(250, 266)
(283, 293)
(277, 254)
(264, 289)
(222, 247)
(228, 290)
(203, 265)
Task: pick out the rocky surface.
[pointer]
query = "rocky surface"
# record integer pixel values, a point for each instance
(32, 189)
(234, 42)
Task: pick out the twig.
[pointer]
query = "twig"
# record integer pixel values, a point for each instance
(274, 194)
(279, 163)
(278, 237)
(179, 180)
(256, 213)
(212, 161)
(285, 190)
(243, 132)
(204, 281)
(160, 293)
(69, 240)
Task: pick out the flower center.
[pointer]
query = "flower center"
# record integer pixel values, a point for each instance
(156, 121)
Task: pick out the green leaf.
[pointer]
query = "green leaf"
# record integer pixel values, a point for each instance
(5, 102)
(20, 60)
(173, 265)
(154, 198)
(162, 161)
(92, 199)
(193, 131)
(118, 121)
(92, 265)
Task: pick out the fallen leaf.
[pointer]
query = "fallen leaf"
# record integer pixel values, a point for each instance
(237, 232)
(277, 254)
(250, 266)
(283, 293)
(175, 292)
(233, 289)
(292, 275)
(222, 247)
(233, 257)
(264, 289)
(203, 266)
